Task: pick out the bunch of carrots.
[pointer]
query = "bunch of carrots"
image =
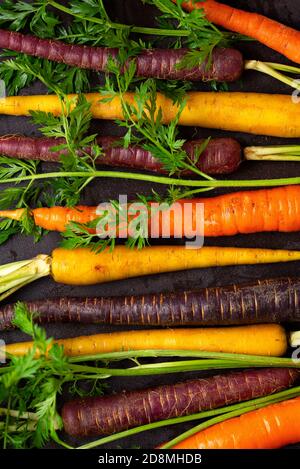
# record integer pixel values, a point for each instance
(257, 408)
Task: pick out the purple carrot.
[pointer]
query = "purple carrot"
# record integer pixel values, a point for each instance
(265, 301)
(111, 414)
(226, 64)
(221, 156)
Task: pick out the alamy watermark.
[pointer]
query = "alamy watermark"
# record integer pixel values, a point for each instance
(152, 220)
(296, 92)
(2, 89)
(296, 355)
(2, 352)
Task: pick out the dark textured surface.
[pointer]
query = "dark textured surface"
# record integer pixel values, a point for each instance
(132, 11)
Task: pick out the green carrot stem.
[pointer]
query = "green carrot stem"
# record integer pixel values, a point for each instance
(165, 180)
(15, 275)
(19, 415)
(133, 29)
(134, 354)
(27, 426)
(284, 68)
(274, 153)
(208, 360)
(270, 70)
(178, 367)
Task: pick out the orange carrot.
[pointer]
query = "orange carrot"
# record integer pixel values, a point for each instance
(273, 34)
(226, 215)
(271, 427)
(54, 218)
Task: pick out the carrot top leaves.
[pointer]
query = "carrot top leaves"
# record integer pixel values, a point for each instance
(14, 71)
(31, 384)
(91, 25)
(20, 14)
(203, 36)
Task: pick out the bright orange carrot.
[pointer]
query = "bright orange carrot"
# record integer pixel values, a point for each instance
(226, 215)
(271, 427)
(273, 34)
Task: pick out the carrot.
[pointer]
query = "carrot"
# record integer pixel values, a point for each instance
(55, 218)
(264, 340)
(83, 267)
(111, 414)
(226, 64)
(257, 113)
(263, 301)
(242, 212)
(221, 155)
(273, 34)
(271, 427)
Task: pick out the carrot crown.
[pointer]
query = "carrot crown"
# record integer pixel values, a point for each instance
(18, 274)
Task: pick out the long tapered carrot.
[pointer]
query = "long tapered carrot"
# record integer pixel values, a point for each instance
(259, 302)
(266, 340)
(226, 215)
(257, 113)
(271, 427)
(220, 156)
(273, 34)
(98, 415)
(83, 267)
(226, 64)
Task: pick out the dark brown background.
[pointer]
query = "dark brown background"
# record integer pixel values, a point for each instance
(133, 12)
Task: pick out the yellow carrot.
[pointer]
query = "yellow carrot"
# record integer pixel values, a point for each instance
(266, 114)
(83, 267)
(265, 340)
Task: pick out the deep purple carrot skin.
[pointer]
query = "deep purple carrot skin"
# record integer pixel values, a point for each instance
(110, 414)
(265, 301)
(226, 64)
(221, 156)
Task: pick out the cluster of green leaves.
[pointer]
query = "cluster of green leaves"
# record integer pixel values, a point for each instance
(91, 25)
(41, 21)
(15, 71)
(102, 232)
(143, 120)
(34, 15)
(22, 392)
(202, 36)
(18, 196)
(30, 386)
(72, 125)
